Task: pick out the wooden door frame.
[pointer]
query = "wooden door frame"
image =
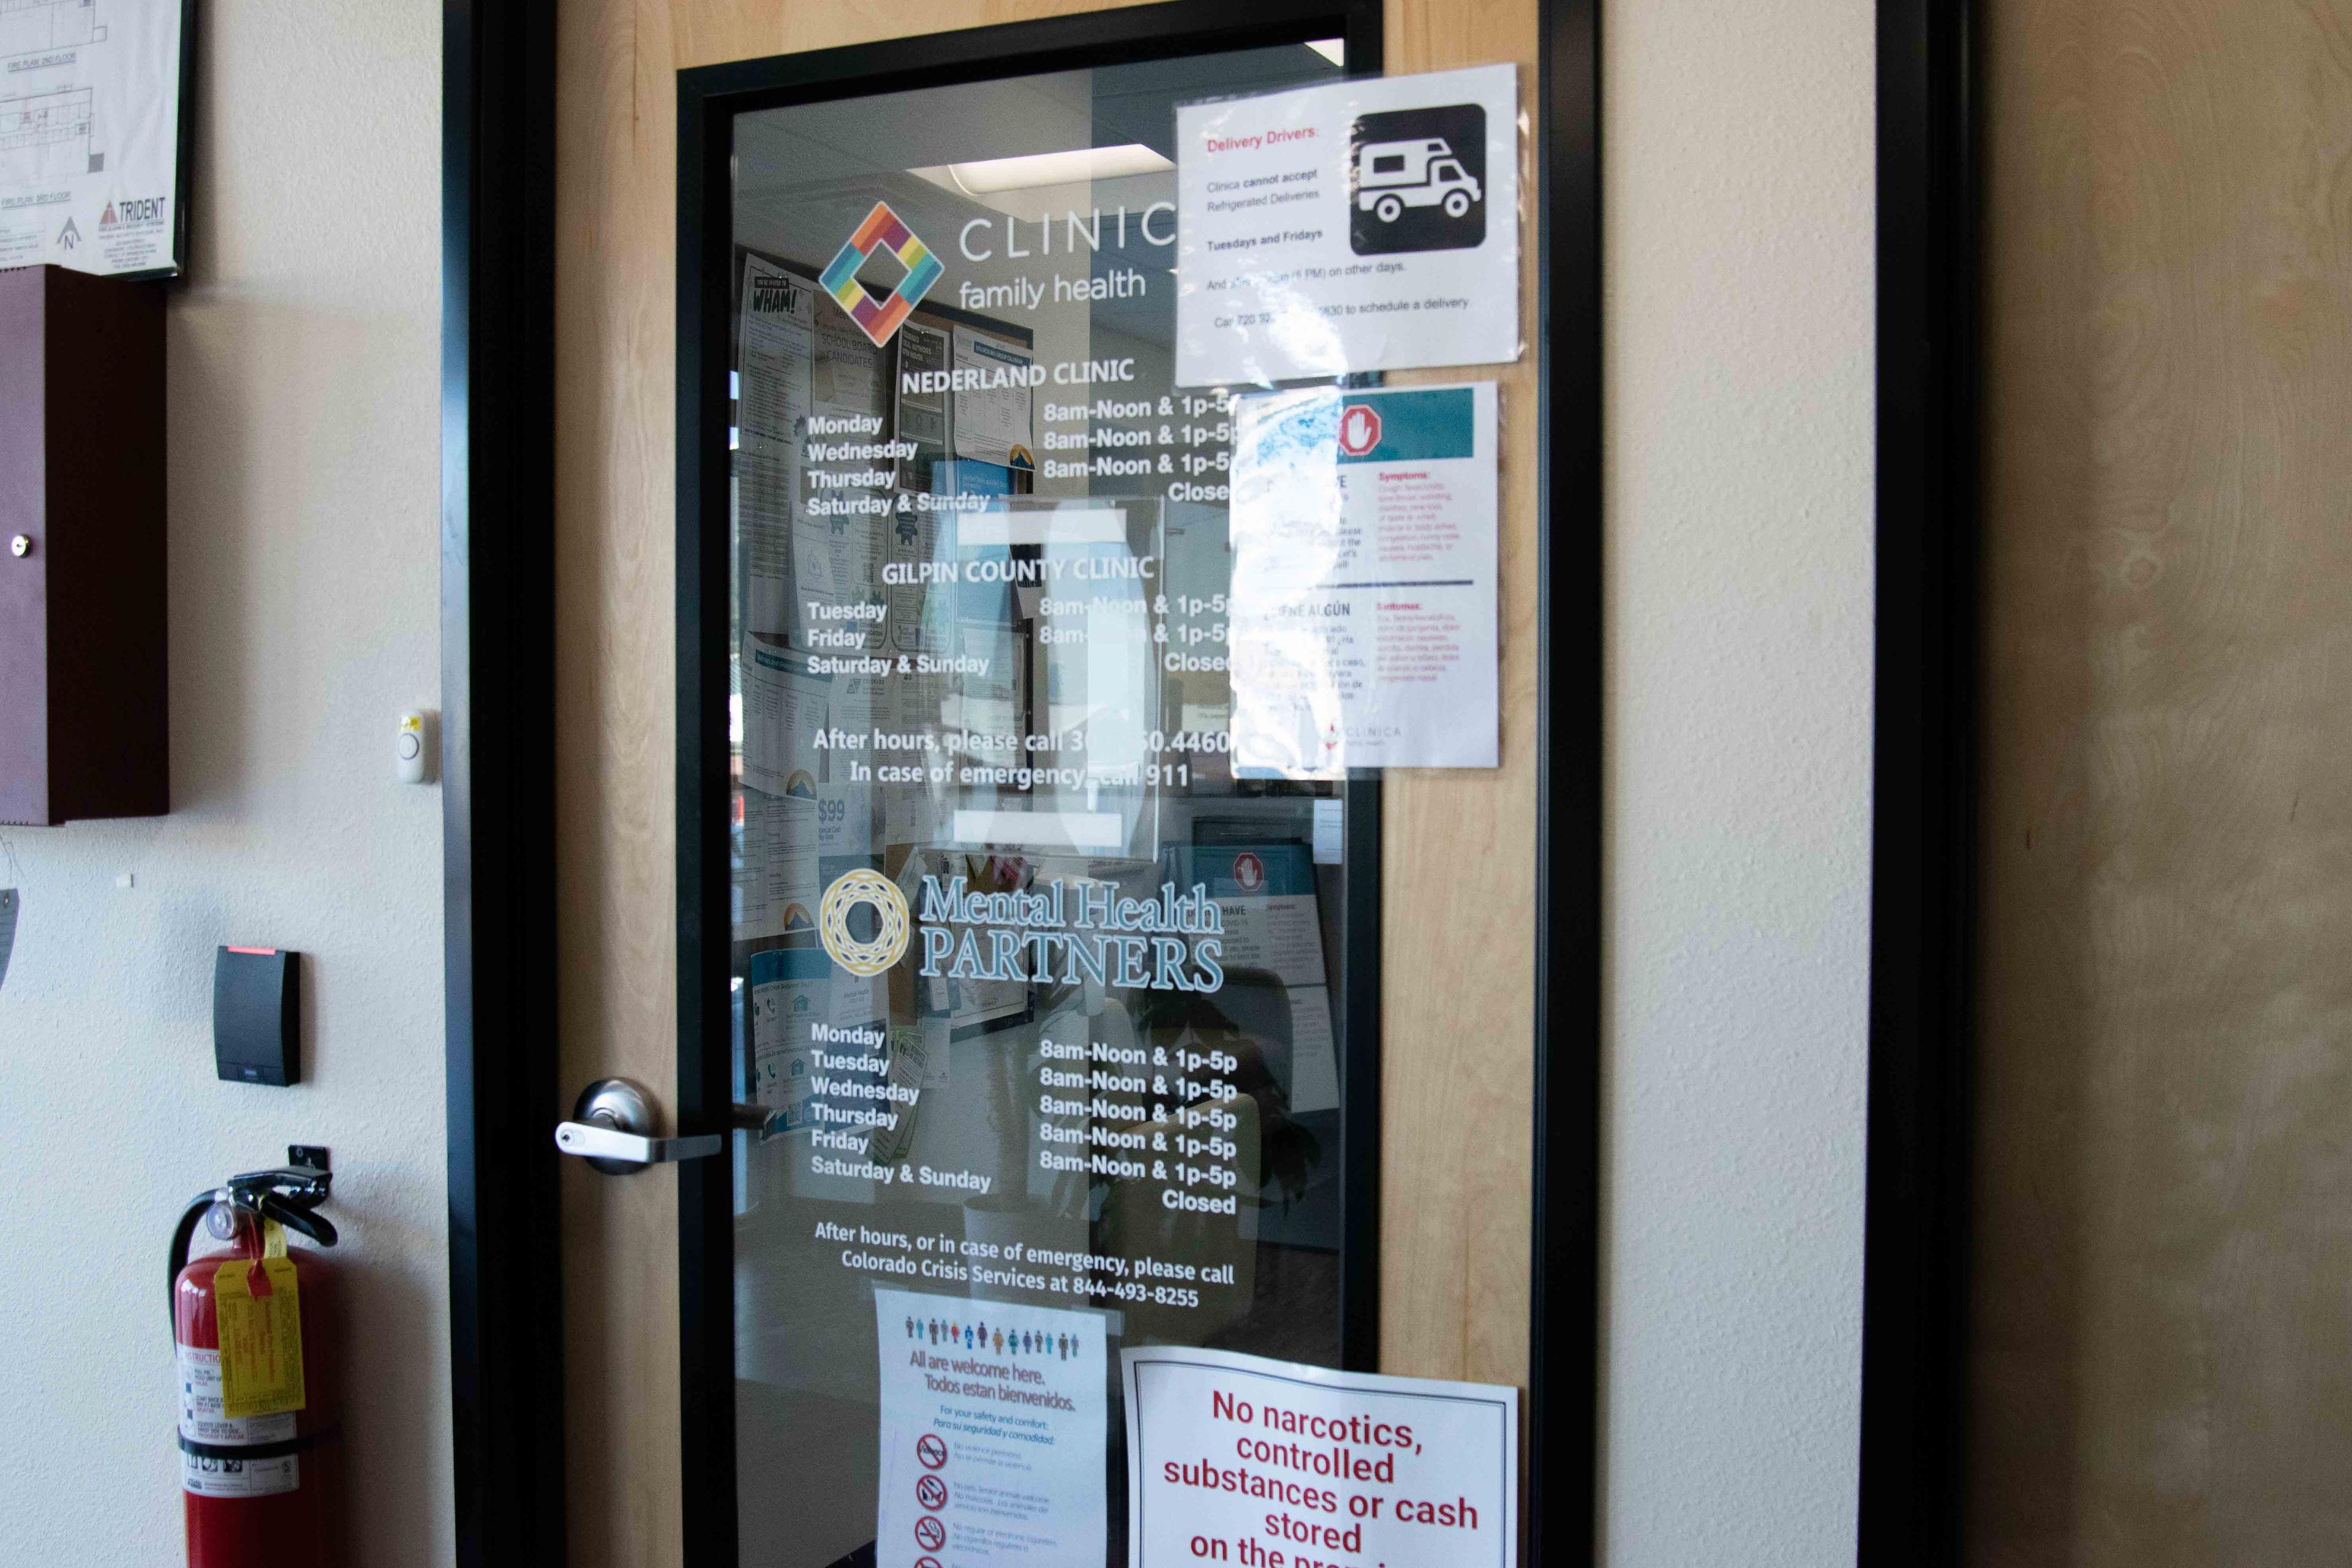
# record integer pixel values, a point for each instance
(1922, 923)
(499, 839)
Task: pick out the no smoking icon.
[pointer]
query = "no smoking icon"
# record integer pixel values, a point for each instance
(930, 1450)
(931, 1493)
(929, 1534)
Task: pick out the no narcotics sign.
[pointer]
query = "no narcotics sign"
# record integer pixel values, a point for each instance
(1267, 1464)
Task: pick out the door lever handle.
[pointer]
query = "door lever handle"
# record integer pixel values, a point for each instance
(591, 1141)
(612, 1127)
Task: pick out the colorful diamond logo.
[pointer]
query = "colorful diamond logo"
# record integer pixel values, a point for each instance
(882, 231)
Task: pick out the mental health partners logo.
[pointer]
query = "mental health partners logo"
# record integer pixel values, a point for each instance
(865, 956)
(882, 231)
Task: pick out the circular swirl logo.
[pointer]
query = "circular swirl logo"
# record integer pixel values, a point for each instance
(888, 944)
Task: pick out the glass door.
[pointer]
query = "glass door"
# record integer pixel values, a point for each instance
(1048, 1032)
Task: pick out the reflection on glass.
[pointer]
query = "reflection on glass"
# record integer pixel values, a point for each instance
(1036, 997)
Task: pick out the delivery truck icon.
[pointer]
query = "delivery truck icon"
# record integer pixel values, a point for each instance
(1418, 180)
(1393, 175)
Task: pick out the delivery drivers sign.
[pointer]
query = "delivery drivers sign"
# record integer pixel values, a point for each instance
(1267, 1464)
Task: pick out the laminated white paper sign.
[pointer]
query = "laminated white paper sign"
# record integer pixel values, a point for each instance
(1361, 225)
(993, 1426)
(1363, 628)
(1266, 1464)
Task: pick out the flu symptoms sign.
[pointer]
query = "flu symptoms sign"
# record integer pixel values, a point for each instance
(1266, 1464)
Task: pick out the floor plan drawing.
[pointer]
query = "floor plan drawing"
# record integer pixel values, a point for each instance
(38, 26)
(90, 124)
(46, 136)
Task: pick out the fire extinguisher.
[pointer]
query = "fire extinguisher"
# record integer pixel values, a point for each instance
(259, 1439)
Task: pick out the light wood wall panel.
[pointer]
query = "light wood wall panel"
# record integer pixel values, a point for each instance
(1460, 848)
(1457, 992)
(2162, 1365)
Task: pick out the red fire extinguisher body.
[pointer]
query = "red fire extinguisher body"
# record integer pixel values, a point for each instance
(260, 1492)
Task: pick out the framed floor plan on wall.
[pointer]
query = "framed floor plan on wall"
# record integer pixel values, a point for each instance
(94, 119)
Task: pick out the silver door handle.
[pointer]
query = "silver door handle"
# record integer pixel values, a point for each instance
(612, 1128)
(591, 1142)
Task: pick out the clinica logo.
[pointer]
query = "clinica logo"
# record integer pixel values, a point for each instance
(882, 231)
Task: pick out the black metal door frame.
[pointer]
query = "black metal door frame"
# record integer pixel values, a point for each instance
(498, 734)
(1562, 1484)
(1923, 789)
(497, 538)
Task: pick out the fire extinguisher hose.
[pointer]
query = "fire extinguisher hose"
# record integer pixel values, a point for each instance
(182, 1235)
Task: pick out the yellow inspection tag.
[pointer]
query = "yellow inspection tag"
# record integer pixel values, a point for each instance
(256, 1303)
(273, 1239)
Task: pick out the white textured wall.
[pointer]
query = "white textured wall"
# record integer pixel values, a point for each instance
(1738, 147)
(305, 592)
(303, 615)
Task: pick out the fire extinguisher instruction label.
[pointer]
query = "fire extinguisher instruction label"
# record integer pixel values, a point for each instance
(203, 1475)
(259, 1311)
(200, 1420)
